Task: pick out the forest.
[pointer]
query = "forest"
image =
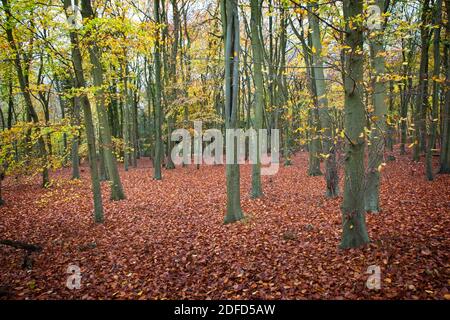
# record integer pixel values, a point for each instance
(224, 149)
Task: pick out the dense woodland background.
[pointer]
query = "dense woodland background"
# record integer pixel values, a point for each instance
(90, 92)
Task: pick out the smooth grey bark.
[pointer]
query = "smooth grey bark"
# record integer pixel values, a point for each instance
(232, 48)
(378, 119)
(354, 232)
(157, 102)
(76, 139)
(59, 85)
(126, 118)
(257, 49)
(80, 83)
(135, 138)
(315, 146)
(100, 158)
(436, 75)
(326, 125)
(173, 77)
(117, 192)
(390, 139)
(408, 53)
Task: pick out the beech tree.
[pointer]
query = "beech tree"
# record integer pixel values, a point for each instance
(257, 49)
(328, 146)
(117, 192)
(354, 231)
(378, 118)
(158, 87)
(230, 19)
(80, 83)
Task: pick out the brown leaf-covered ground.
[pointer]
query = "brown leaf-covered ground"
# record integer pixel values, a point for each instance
(167, 240)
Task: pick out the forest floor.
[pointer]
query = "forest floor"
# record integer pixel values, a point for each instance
(167, 239)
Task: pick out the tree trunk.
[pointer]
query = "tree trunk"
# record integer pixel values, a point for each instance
(445, 148)
(331, 173)
(88, 122)
(422, 97)
(231, 21)
(105, 129)
(378, 119)
(313, 117)
(158, 110)
(10, 103)
(436, 75)
(126, 117)
(76, 140)
(354, 232)
(390, 124)
(257, 49)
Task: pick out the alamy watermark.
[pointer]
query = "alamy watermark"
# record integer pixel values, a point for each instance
(74, 279)
(374, 17)
(73, 14)
(235, 147)
(374, 280)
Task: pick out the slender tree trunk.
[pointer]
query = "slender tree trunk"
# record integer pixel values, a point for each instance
(10, 103)
(60, 87)
(76, 139)
(173, 78)
(105, 129)
(100, 159)
(136, 154)
(257, 49)
(436, 75)
(422, 97)
(158, 109)
(354, 232)
(80, 83)
(231, 21)
(331, 173)
(126, 118)
(390, 124)
(445, 148)
(313, 117)
(378, 130)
